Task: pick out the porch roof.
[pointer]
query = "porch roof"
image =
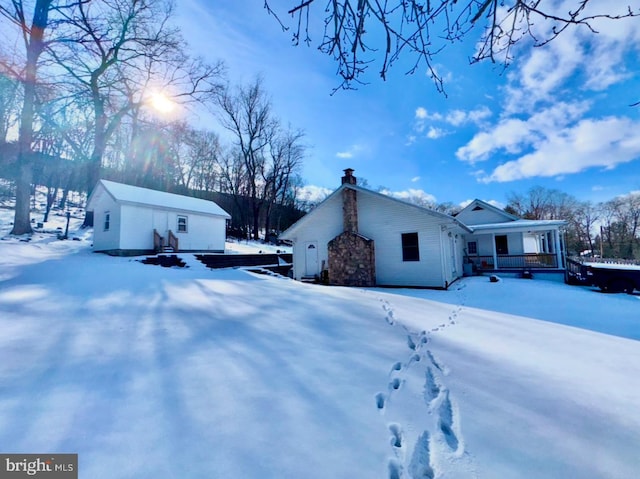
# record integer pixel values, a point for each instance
(519, 226)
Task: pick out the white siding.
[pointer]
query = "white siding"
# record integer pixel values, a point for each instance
(325, 225)
(515, 244)
(137, 228)
(531, 243)
(105, 240)
(384, 222)
(138, 222)
(480, 217)
(203, 232)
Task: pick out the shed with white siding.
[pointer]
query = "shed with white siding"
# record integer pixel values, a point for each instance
(412, 245)
(130, 220)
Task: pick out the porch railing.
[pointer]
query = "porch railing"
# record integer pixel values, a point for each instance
(516, 261)
(159, 244)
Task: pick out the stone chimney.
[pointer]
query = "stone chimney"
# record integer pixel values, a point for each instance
(348, 177)
(349, 203)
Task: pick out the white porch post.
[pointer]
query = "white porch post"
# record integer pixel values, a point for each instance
(558, 248)
(495, 254)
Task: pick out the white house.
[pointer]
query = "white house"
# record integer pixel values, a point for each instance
(358, 237)
(501, 241)
(130, 220)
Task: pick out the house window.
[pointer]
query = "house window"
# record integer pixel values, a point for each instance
(410, 248)
(182, 224)
(107, 220)
(472, 247)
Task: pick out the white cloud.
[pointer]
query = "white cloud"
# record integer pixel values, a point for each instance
(415, 179)
(603, 143)
(412, 195)
(592, 61)
(411, 139)
(350, 152)
(435, 133)
(460, 117)
(421, 113)
(513, 135)
(495, 203)
(314, 194)
(454, 118)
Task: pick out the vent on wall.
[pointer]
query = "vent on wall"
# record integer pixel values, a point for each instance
(478, 208)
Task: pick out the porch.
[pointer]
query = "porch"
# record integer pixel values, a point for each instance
(517, 246)
(514, 261)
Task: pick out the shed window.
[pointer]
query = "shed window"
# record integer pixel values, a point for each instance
(472, 247)
(107, 220)
(410, 248)
(182, 224)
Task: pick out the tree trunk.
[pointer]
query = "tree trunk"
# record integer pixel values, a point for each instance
(22, 217)
(51, 196)
(22, 220)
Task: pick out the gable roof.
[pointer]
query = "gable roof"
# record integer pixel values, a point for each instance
(136, 195)
(479, 204)
(302, 221)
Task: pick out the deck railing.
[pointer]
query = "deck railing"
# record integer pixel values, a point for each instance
(516, 261)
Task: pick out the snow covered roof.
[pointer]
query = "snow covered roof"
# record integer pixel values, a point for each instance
(487, 206)
(143, 196)
(520, 225)
(288, 234)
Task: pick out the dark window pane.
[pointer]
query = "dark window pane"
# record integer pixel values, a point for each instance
(410, 248)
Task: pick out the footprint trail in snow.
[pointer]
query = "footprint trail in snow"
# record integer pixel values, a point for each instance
(427, 449)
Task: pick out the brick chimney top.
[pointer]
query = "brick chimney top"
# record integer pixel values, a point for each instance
(348, 177)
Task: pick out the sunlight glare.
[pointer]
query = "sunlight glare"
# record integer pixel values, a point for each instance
(162, 103)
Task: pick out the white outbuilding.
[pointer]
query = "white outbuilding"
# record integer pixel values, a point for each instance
(129, 220)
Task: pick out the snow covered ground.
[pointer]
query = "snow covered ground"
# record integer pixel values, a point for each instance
(151, 372)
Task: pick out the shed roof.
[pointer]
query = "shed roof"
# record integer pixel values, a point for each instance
(143, 196)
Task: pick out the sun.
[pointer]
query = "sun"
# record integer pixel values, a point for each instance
(162, 103)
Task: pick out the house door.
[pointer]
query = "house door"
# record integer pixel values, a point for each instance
(311, 259)
(502, 245)
(453, 245)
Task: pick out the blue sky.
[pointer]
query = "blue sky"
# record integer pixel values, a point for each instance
(558, 117)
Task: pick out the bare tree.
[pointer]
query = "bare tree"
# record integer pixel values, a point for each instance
(246, 113)
(541, 203)
(621, 218)
(356, 31)
(286, 153)
(120, 49)
(32, 30)
(584, 221)
(9, 99)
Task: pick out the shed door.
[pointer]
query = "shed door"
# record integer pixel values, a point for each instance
(311, 259)
(161, 222)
